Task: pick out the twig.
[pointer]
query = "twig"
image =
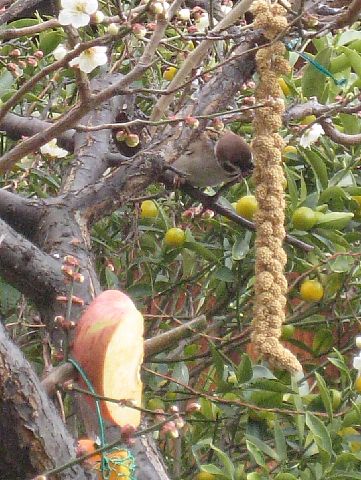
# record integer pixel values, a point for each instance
(194, 59)
(213, 204)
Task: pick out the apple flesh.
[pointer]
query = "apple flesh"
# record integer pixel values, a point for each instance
(108, 345)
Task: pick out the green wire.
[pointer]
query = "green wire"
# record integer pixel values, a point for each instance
(104, 464)
(290, 46)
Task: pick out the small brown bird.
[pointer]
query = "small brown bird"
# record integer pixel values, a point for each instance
(208, 162)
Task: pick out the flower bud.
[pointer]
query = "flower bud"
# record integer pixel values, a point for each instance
(192, 122)
(139, 30)
(113, 29)
(15, 53)
(121, 135)
(39, 54)
(98, 16)
(184, 14)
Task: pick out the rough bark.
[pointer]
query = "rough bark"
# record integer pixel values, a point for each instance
(33, 437)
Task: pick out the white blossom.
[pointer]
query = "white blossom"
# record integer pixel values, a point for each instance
(99, 17)
(77, 12)
(358, 341)
(90, 59)
(52, 150)
(226, 7)
(203, 22)
(60, 52)
(184, 14)
(357, 362)
(311, 135)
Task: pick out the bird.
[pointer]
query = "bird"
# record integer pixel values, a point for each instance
(208, 162)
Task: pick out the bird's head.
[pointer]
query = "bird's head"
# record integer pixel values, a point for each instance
(234, 154)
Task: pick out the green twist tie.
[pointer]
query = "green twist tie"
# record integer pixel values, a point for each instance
(105, 468)
(290, 46)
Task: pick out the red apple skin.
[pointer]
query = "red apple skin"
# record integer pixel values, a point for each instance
(111, 316)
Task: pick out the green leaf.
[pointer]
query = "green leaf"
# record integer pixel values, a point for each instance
(318, 166)
(6, 82)
(271, 385)
(313, 81)
(24, 22)
(226, 462)
(241, 246)
(345, 475)
(324, 393)
(319, 432)
(209, 468)
(48, 41)
(203, 251)
(111, 279)
(341, 264)
(351, 123)
(280, 441)
(181, 373)
(332, 193)
(335, 220)
(244, 370)
(264, 398)
(224, 274)
(256, 453)
(291, 187)
(263, 447)
(9, 297)
(348, 36)
(218, 361)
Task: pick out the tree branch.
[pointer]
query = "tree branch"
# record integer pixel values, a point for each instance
(19, 212)
(17, 126)
(33, 438)
(25, 266)
(337, 136)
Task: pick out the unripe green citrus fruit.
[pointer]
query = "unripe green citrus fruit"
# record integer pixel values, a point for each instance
(148, 209)
(247, 206)
(175, 237)
(303, 218)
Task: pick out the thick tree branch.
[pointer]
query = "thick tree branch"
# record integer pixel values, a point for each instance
(349, 16)
(17, 126)
(32, 435)
(337, 136)
(20, 213)
(25, 266)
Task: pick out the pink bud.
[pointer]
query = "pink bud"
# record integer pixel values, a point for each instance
(32, 61)
(193, 407)
(11, 67)
(15, 53)
(192, 122)
(121, 135)
(39, 54)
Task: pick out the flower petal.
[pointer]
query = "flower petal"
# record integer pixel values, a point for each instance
(91, 6)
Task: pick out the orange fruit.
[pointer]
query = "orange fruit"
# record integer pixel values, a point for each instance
(175, 237)
(85, 446)
(311, 291)
(247, 206)
(148, 209)
(169, 73)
